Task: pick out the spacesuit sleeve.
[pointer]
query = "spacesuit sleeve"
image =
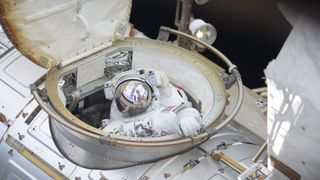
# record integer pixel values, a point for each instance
(165, 122)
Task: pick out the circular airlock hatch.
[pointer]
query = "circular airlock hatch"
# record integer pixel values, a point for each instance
(80, 95)
(85, 54)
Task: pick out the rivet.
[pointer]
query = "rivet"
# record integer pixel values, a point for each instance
(103, 178)
(24, 115)
(166, 175)
(221, 170)
(10, 152)
(20, 136)
(61, 166)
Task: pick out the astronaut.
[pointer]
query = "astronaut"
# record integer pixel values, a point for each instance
(146, 104)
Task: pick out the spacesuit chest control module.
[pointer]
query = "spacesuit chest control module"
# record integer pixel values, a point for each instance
(146, 104)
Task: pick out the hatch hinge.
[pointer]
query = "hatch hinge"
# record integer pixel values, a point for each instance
(42, 92)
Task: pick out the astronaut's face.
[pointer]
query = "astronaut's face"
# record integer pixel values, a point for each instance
(133, 97)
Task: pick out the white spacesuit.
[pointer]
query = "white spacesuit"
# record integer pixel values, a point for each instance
(146, 104)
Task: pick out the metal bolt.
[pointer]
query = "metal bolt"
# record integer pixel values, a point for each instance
(166, 175)
(144, 177)
(21, 136)
(103, 178)
(221, 170)
(24, 115)
(61, 166)
(10, 152)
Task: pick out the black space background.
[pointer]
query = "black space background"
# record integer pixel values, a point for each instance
(250, 32)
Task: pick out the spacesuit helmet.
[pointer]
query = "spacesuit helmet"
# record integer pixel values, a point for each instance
(133, 97)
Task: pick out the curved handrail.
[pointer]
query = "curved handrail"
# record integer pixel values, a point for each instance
(232, 69)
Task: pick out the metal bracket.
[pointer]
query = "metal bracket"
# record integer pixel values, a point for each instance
(163, 34)
(196, 139)
(15, 144)
(255, 171)
(33, 87)
(42, 93)
(104, 140)
(122, 29)
(228, 79)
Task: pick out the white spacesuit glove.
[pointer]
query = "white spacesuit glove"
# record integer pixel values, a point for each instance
(189, 119)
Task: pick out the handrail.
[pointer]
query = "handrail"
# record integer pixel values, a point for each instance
(232, 69)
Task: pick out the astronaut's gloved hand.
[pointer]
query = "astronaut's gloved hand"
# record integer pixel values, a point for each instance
(189, 121)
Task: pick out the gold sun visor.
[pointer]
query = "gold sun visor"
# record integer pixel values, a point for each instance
(54, 32)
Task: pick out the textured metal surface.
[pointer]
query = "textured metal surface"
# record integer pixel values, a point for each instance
(18, 107)
(37, 138)
(177, 167)
(93, 154)
(16, 73)
(119, 62)
(15, 166)
(172, 167)
(54, 32)
(293, 100)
